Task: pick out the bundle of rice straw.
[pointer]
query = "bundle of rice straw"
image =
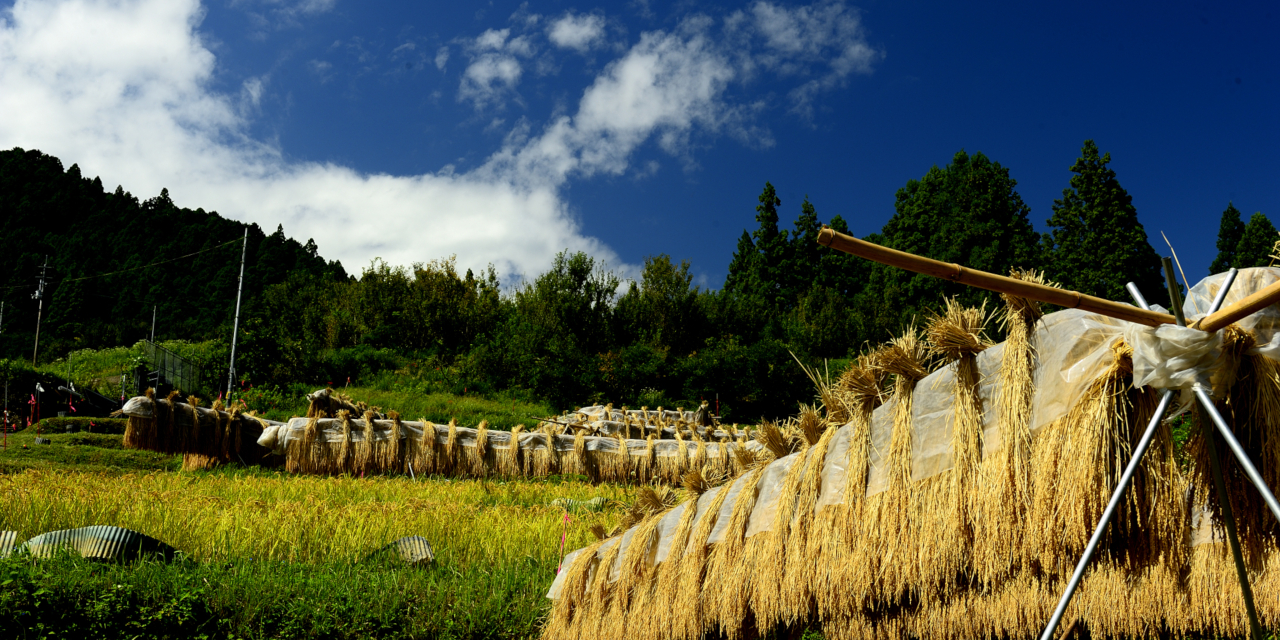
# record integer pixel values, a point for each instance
(957, 504)
(368, 445)
(205, 436)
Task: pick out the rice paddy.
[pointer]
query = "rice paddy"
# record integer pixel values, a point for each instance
(270, 555)
(224, 516)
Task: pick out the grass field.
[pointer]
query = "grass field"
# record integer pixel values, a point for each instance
(78, 452)
(268, 555)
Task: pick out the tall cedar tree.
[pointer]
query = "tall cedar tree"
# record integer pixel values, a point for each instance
(759, 264)
(803, 256)
(1256, 243)
(1097, 244)
(1229, 232)
(967, 213)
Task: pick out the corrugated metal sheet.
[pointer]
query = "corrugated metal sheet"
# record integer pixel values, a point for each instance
(411, 549)
(8, 539)
(99, 542)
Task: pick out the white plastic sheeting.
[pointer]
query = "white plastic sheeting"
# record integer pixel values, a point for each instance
(277, 438)
(1072, 348)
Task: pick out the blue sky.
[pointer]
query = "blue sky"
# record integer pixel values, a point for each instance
(503, 132)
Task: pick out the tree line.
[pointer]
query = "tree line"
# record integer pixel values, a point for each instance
(579, 333)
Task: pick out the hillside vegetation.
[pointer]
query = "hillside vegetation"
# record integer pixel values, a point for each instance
(574, 335)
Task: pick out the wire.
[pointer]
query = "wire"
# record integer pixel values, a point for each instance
(112, 273)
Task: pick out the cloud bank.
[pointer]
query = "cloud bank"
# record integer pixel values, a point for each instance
(122, 87)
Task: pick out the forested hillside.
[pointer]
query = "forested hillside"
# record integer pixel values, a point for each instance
(577, 333)
(85, 231)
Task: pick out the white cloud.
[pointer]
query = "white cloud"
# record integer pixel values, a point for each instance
(492, 39)
(123, 88)
(495, 70)
(442, 57)
(801, 39)
(252, 91)
(280, 14)
(488, 78)
(579, 32)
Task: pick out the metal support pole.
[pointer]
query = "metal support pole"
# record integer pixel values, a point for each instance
(1137, 295)
(1228, 518)
(1207, 409)
(153, 323)
(1234, 445)
(235, 331)
(1107, 514)
(1222, 291)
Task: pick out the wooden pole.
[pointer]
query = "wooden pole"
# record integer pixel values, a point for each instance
(991, 281)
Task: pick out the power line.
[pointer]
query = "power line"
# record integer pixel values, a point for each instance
(112, 273)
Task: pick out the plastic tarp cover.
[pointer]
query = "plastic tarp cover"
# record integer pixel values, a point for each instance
(558, 583)
(726, 509)
(768, 491)
(835, 475)
(881, 436)
(667, 531)
(277, 438)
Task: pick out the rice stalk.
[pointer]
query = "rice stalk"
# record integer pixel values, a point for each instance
(795, 588)
(728, 580)
(950, 499)
(836, 579)
(1007, 470)
(343, 462)
(894, 531)
(688, 618)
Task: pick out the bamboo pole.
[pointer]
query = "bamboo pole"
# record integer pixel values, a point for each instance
(1258, 300)
(993, 282)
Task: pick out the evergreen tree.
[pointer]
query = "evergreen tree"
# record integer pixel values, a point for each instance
(1256, 243)
(743, 268)
(968, 213)
(1229, 232)
(772, 247)
(804, 256)
(1097, 244)
(844, 273)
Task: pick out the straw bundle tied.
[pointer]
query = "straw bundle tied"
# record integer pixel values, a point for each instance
(1006, 473)
(946, 506)
(1253, 414)
(830, 569)
(906, 358)
(366, 445)
(872, 531)
(206, 437)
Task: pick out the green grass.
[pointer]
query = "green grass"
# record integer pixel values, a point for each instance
(268, 555)
(69, 598)
(80, 451)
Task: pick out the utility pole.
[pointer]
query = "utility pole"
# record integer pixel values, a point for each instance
(6, 386)
(39, 296)
(235, 330)
(153, 324)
